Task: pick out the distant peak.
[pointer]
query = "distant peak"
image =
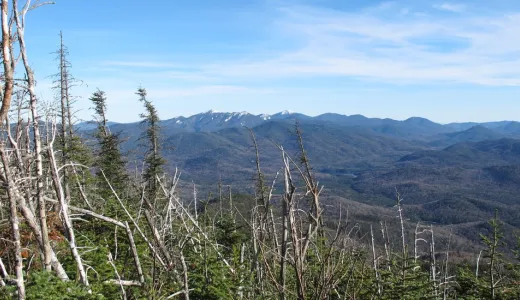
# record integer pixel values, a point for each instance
(240, 114)
(417, 120)
(212, 111)
(358, 116)
(285, 112)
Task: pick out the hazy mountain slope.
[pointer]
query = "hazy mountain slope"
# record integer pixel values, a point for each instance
(473, 178)
(476, 133)
(505, 127)
(230, 151)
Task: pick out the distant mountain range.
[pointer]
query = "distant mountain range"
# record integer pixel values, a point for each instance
(414, 128)
(454, 174)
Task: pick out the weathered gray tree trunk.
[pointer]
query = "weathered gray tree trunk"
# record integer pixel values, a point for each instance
(7, 62)
(288, 194)
(64, 209)
(19, 18)
(134, 253)
(65, 118)
(15, 225)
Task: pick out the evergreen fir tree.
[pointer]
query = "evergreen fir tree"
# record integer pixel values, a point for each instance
(109, 159)
(153, 159)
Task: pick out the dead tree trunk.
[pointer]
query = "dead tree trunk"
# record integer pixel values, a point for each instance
(64, 208)
(134, 253)
(19, 18)
(65, 121)
(7, 62)
(288, 195)
(15, 225)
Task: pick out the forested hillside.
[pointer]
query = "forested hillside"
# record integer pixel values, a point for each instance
(238, 206)
(437, 173)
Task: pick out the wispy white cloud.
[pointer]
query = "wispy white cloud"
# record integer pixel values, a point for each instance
(389, 43)
(477, 50)
(451, 7)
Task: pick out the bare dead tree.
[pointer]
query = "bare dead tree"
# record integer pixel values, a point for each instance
(8, 63)
(134, 222)
(478, 264)
(374, 261)
(433, 265)
(386, 242)
(64, 209)
(312, 185)
(185, 274)
(66, 130)
(119, 280)
(137, 261)
(15, 223)
(19, 17)
(301, 239)
(447, 278)
(289, 189)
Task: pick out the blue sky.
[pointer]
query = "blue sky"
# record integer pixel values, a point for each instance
(446, 61)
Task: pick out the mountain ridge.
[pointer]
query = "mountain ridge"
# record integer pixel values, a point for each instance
(412, 128)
